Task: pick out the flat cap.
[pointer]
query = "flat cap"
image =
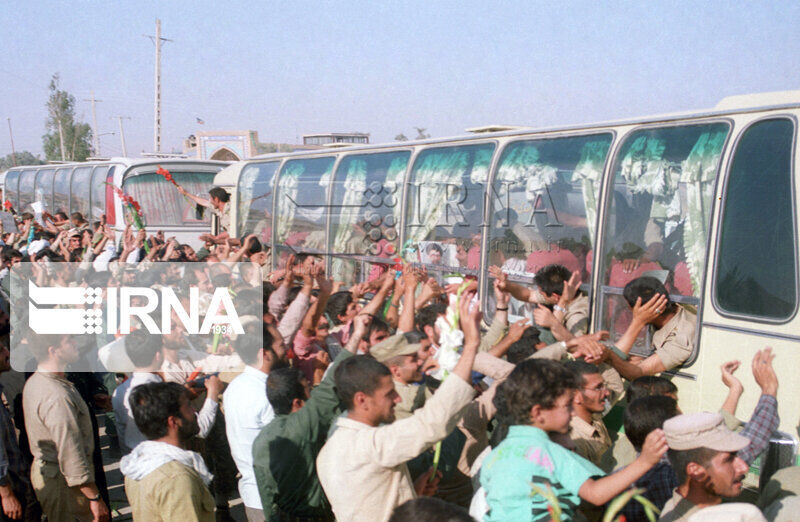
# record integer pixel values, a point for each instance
(702, 430)
(392, 347)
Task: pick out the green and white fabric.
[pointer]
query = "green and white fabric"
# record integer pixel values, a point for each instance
(589, 171)
(699, 170)
(288, 186)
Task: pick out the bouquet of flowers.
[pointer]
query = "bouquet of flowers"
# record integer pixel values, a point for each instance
(131, 205)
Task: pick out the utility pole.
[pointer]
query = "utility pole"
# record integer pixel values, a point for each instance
(61, 139)
(157, 116)
(122, 135)
(13, 152)
(96, 132)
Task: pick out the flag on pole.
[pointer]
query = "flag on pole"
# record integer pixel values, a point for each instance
(201, 122)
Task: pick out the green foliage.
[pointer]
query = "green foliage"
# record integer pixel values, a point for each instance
(77, 136)
(19, 159)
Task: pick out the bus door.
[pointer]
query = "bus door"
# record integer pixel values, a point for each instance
(255, 195)
(752, 290)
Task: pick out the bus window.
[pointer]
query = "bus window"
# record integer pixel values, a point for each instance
(12, 187)
(79, 191)
(255, 200)
(302, 204)
(659, 213)
(61, 191)
(162, 204)
(544, 204)
(98, 193)
(756, 262)
(445, 206)
(26, 184)
(43, 189)
(366, 213)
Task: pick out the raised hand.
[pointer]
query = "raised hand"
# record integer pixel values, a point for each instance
(544, 317)
(728, 378)
(647, 312)
(571, 287)
(502, 297)
(764, 373)
(516, 330)
(654, 447)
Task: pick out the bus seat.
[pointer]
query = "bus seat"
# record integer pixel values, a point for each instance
(555, 255)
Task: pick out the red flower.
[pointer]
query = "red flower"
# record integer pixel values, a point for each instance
(7, 205)
(164, 172)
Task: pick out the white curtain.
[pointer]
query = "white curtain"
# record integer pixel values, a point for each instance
(432, 177)
(288, 184)
(245, 194)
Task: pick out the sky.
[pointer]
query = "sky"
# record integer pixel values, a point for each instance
(286, 69)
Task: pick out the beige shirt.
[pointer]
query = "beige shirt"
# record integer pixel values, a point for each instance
(224, 217)
(619, 455)
(576, 320)
(413, 397)
(677, 508)
(173, 492)
(363, 468)
(591, 440)
(189, 360)
(59, 427)
(674, 342)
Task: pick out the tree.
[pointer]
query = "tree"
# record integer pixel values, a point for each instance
(421, 134)
(18, 159)
(73, 137)
(401, 137)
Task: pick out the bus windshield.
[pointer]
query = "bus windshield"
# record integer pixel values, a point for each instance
(162, 204)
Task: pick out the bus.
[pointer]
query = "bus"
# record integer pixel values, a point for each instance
(87, 188)
(705, 200)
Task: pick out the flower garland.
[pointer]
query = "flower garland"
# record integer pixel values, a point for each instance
(131, 205)
(451, 340)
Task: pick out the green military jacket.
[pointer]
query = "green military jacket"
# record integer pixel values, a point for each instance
(285, 453)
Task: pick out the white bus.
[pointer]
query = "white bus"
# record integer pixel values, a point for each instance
(706, 199)
(86, 188)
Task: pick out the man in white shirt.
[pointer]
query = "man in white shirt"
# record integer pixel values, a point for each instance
(144, 350)
(247, 410)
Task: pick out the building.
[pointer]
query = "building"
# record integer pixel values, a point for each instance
(359, 138)
(222, 145)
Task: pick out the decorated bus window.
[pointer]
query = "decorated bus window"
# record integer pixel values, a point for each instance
(544, 204)
(302, 205)
(79, 191)
(61, 190)
(366, 214)
(26, 182)
(162, 204)
(43, 190)
(659, 215)
(444, 209)
(98, 192)
(12, 187)
(255, 194)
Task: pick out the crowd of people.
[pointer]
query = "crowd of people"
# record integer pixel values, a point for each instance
(346, 404)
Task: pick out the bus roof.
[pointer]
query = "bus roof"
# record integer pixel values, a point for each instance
(727, 106)
(126, 162)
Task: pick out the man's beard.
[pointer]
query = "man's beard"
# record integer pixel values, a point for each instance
(187, 430)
